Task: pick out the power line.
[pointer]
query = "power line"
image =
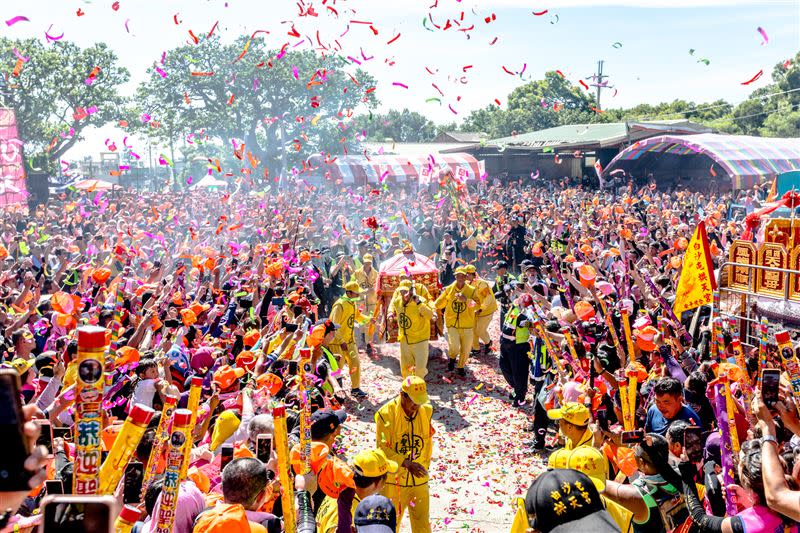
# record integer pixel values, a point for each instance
(704, 108)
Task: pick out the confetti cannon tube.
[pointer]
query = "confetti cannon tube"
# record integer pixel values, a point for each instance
(305, 413)
(626, 327)
(789, 363)
(730, 408)
(123, 448)
(180, 439)
(611, 329)
(88, 406)
(193, 405)
(284, 473)
(726, 451)
(687, 339)
(633, 382)
(126, 519)
(542, 333)
(160, 443)
(763, 330)
(627, 415)
(571, 356)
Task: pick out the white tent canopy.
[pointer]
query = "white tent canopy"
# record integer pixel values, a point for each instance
(208, 182)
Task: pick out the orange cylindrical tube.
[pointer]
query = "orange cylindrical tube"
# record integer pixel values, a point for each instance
(127, 519)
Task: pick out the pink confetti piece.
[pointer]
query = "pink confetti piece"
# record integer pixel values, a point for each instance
(20, 56)
(160, 71)
(475, 397)
(763, 33)
(127, 29)
(18, 18)
(295, 73)
(189, 180)
(403, 85)
(51, 38)
(451, 109)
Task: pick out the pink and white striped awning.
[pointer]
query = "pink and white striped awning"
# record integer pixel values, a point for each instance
(361, 170)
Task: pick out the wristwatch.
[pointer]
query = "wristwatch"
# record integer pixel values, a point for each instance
(768, 438)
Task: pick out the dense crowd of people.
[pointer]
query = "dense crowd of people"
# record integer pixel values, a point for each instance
(253, 311)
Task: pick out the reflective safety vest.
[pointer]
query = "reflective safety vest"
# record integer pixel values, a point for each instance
(511, 331)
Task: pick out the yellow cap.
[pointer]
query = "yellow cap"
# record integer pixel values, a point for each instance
(573, 412)
(353, 286)
(470, 269)
(367, 258)
(461, 270)
(414, 387)
(373, 463)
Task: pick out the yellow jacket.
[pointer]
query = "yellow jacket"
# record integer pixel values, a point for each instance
(345, 314)
(328, 514)
(485, 293)
(419, 289)
(368, 284)
(459, 314)
(402, 438)
(413, 320)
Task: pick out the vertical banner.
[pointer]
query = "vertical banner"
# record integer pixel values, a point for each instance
(12, 171)
(180, 439)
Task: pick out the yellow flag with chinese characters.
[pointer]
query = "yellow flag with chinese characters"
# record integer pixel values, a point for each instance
(696, 285)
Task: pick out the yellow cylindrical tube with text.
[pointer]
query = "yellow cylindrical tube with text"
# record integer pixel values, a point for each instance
(125, 444)
(281, 443)
(193, 405)
(159, 442)
(731, 412)
(180, 439)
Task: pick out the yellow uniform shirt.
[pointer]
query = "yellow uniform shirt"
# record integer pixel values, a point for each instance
(413, 320)
(587, 439)
(368, 284)
(403, 438)
(486, 295)
(458, 314)
(345, 314)
(328, 514)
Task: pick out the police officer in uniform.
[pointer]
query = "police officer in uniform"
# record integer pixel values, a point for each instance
(515, 349)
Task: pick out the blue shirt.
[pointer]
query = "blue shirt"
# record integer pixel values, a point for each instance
(658, 423)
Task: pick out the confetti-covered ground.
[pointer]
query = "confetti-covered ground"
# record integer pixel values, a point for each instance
(478, 466)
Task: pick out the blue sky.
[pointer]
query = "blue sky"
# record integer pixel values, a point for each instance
(652, 65)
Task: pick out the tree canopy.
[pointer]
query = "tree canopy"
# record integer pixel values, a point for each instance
(57, 90)
(282, 106)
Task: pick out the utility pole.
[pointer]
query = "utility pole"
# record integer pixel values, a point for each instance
(598, 81)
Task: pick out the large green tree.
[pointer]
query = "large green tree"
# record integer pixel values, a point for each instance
(283, 106)
(49, 90)
(399, 126)
(537, 105)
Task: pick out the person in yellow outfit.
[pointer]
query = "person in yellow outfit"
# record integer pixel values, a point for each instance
(413, 314)
(573, 423)
(459, 301)
(405, 434)
(367, 279)
(419, 288)
(370, 470)
(484, 314)
(345, 314)
(594, 464)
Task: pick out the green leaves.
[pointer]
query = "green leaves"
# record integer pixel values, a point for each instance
(52, 86)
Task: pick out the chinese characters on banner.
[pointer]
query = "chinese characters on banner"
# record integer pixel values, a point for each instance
(697, 284)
